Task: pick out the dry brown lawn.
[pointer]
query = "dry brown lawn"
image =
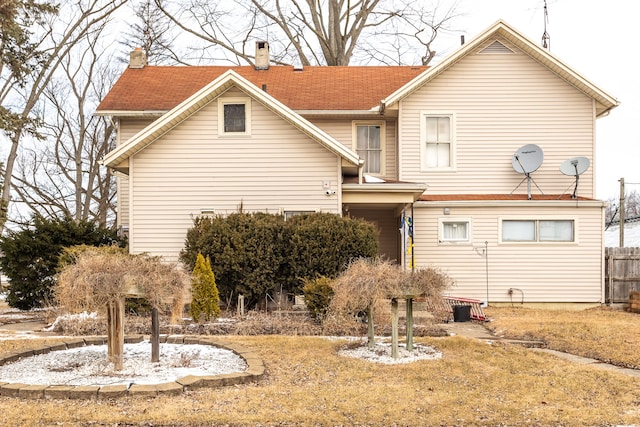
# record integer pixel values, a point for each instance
(475, 383)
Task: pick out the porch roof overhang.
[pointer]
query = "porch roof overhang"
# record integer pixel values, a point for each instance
(506, 200)
(380, 193)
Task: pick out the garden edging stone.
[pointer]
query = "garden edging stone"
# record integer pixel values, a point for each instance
(255, 370)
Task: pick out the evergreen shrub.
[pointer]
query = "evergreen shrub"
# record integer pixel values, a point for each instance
(255, 254)
(205, 300)
(317, 296)
(31, 256)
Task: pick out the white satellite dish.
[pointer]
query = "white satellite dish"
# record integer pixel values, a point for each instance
(527, 159)
(575, 166)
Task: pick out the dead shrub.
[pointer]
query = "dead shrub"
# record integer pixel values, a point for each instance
(369, 284)
(98, 278)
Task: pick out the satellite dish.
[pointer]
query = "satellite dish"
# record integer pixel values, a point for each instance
(575, 166)
(527, 159)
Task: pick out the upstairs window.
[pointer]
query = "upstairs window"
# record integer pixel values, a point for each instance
(369, 139)
(234, 118)
(235, 114)
(437, 141)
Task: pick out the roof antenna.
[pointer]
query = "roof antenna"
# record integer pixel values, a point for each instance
(546, 39)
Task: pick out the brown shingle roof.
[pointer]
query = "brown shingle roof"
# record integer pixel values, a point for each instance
(160, 88)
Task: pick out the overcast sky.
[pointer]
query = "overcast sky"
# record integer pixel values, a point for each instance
(596, 39)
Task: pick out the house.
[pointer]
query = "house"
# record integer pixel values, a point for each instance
(428, 154)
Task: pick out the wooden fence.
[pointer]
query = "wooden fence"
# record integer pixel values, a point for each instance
(622, 273)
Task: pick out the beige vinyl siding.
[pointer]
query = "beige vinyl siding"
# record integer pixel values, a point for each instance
(545, 272)
(275, 169)
(500, 102)
(342, 130)
(129, 127)
(126, 129)
(122, 185)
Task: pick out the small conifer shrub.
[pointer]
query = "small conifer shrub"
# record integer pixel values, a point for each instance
(205, 300)
(317, 296)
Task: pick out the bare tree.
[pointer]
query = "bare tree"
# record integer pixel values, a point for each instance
(152, 32)
(60, 175)
(53, 40)
(312, 32)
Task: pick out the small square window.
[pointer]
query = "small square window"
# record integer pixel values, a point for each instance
(455, 230)
(234, 116)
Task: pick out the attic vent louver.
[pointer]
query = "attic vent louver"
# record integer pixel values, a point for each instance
(496, 47)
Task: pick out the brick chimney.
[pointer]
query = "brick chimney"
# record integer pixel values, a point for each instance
(137, 58)
(262, 55)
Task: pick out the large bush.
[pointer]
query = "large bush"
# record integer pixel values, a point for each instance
(246, 252)
(31, 255)
(255, 254)
(324, 244)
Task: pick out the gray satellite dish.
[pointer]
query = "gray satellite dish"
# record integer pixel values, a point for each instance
(575, 166)
(527, 159)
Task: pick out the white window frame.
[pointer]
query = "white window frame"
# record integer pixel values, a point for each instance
(536, 240)
(423, 141)
(247, 115)
(448, 219)
(383, 132)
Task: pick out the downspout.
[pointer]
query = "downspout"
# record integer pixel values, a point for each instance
(360, 171)
(413, 256)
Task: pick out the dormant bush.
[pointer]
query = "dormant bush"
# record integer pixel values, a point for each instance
(366, 286)
(98, 278)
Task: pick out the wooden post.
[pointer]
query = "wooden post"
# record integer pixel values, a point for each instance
(370, 335)
(241, 305)
(394, 328)
(110, 334)
(155, 336)
(115, 333)
(409, 303)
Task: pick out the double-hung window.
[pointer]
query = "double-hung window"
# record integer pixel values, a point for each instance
(437, 141)
(234, 117)
(369, 145)
(539, 230)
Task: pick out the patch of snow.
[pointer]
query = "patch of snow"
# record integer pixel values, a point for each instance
(79, 317)
(88, 365)
(631, 235)
(381, 353)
